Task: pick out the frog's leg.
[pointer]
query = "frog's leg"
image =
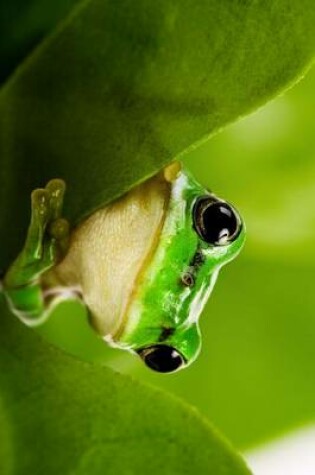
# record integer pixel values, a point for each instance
(46, 243)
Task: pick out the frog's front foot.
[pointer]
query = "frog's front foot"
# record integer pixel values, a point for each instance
(47, 237)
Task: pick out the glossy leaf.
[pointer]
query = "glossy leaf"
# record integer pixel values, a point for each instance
(59, 415)
(116, 93)
(23, 25)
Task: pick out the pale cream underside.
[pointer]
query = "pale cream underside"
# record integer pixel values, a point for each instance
(108, 250)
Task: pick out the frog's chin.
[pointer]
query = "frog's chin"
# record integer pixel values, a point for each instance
(110, 340)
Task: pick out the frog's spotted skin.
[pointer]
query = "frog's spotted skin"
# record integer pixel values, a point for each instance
(144, 265)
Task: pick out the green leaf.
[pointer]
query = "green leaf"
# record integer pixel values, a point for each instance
(116, 93)
(59, 415)
(23, 25)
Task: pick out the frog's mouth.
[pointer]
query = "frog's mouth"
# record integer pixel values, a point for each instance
(165, 181)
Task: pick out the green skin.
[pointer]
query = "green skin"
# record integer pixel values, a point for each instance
(172, 289)
(169, 308)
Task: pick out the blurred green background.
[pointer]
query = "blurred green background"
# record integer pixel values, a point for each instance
(255, 377)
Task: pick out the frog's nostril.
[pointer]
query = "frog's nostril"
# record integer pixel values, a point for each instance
(162, 358)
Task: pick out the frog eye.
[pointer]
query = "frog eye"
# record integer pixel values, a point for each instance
(216, 222)
(162, 358)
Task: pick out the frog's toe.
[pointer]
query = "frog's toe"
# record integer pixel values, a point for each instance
(40, 204)
(59, 229)
(56, 189)
(56, 186)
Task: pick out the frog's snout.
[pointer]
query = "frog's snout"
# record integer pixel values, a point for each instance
(162, 358)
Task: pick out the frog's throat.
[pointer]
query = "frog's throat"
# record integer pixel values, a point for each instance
(114, 337)
(172, 216)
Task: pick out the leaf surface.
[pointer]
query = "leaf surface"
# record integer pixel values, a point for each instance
(60, 415)
(23, 25)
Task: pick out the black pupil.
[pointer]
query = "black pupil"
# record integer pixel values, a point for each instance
(161, 358)
(218, 222)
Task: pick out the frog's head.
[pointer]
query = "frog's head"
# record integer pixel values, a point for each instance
(200, 233)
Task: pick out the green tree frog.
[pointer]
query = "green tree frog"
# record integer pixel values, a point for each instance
(144, 265)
